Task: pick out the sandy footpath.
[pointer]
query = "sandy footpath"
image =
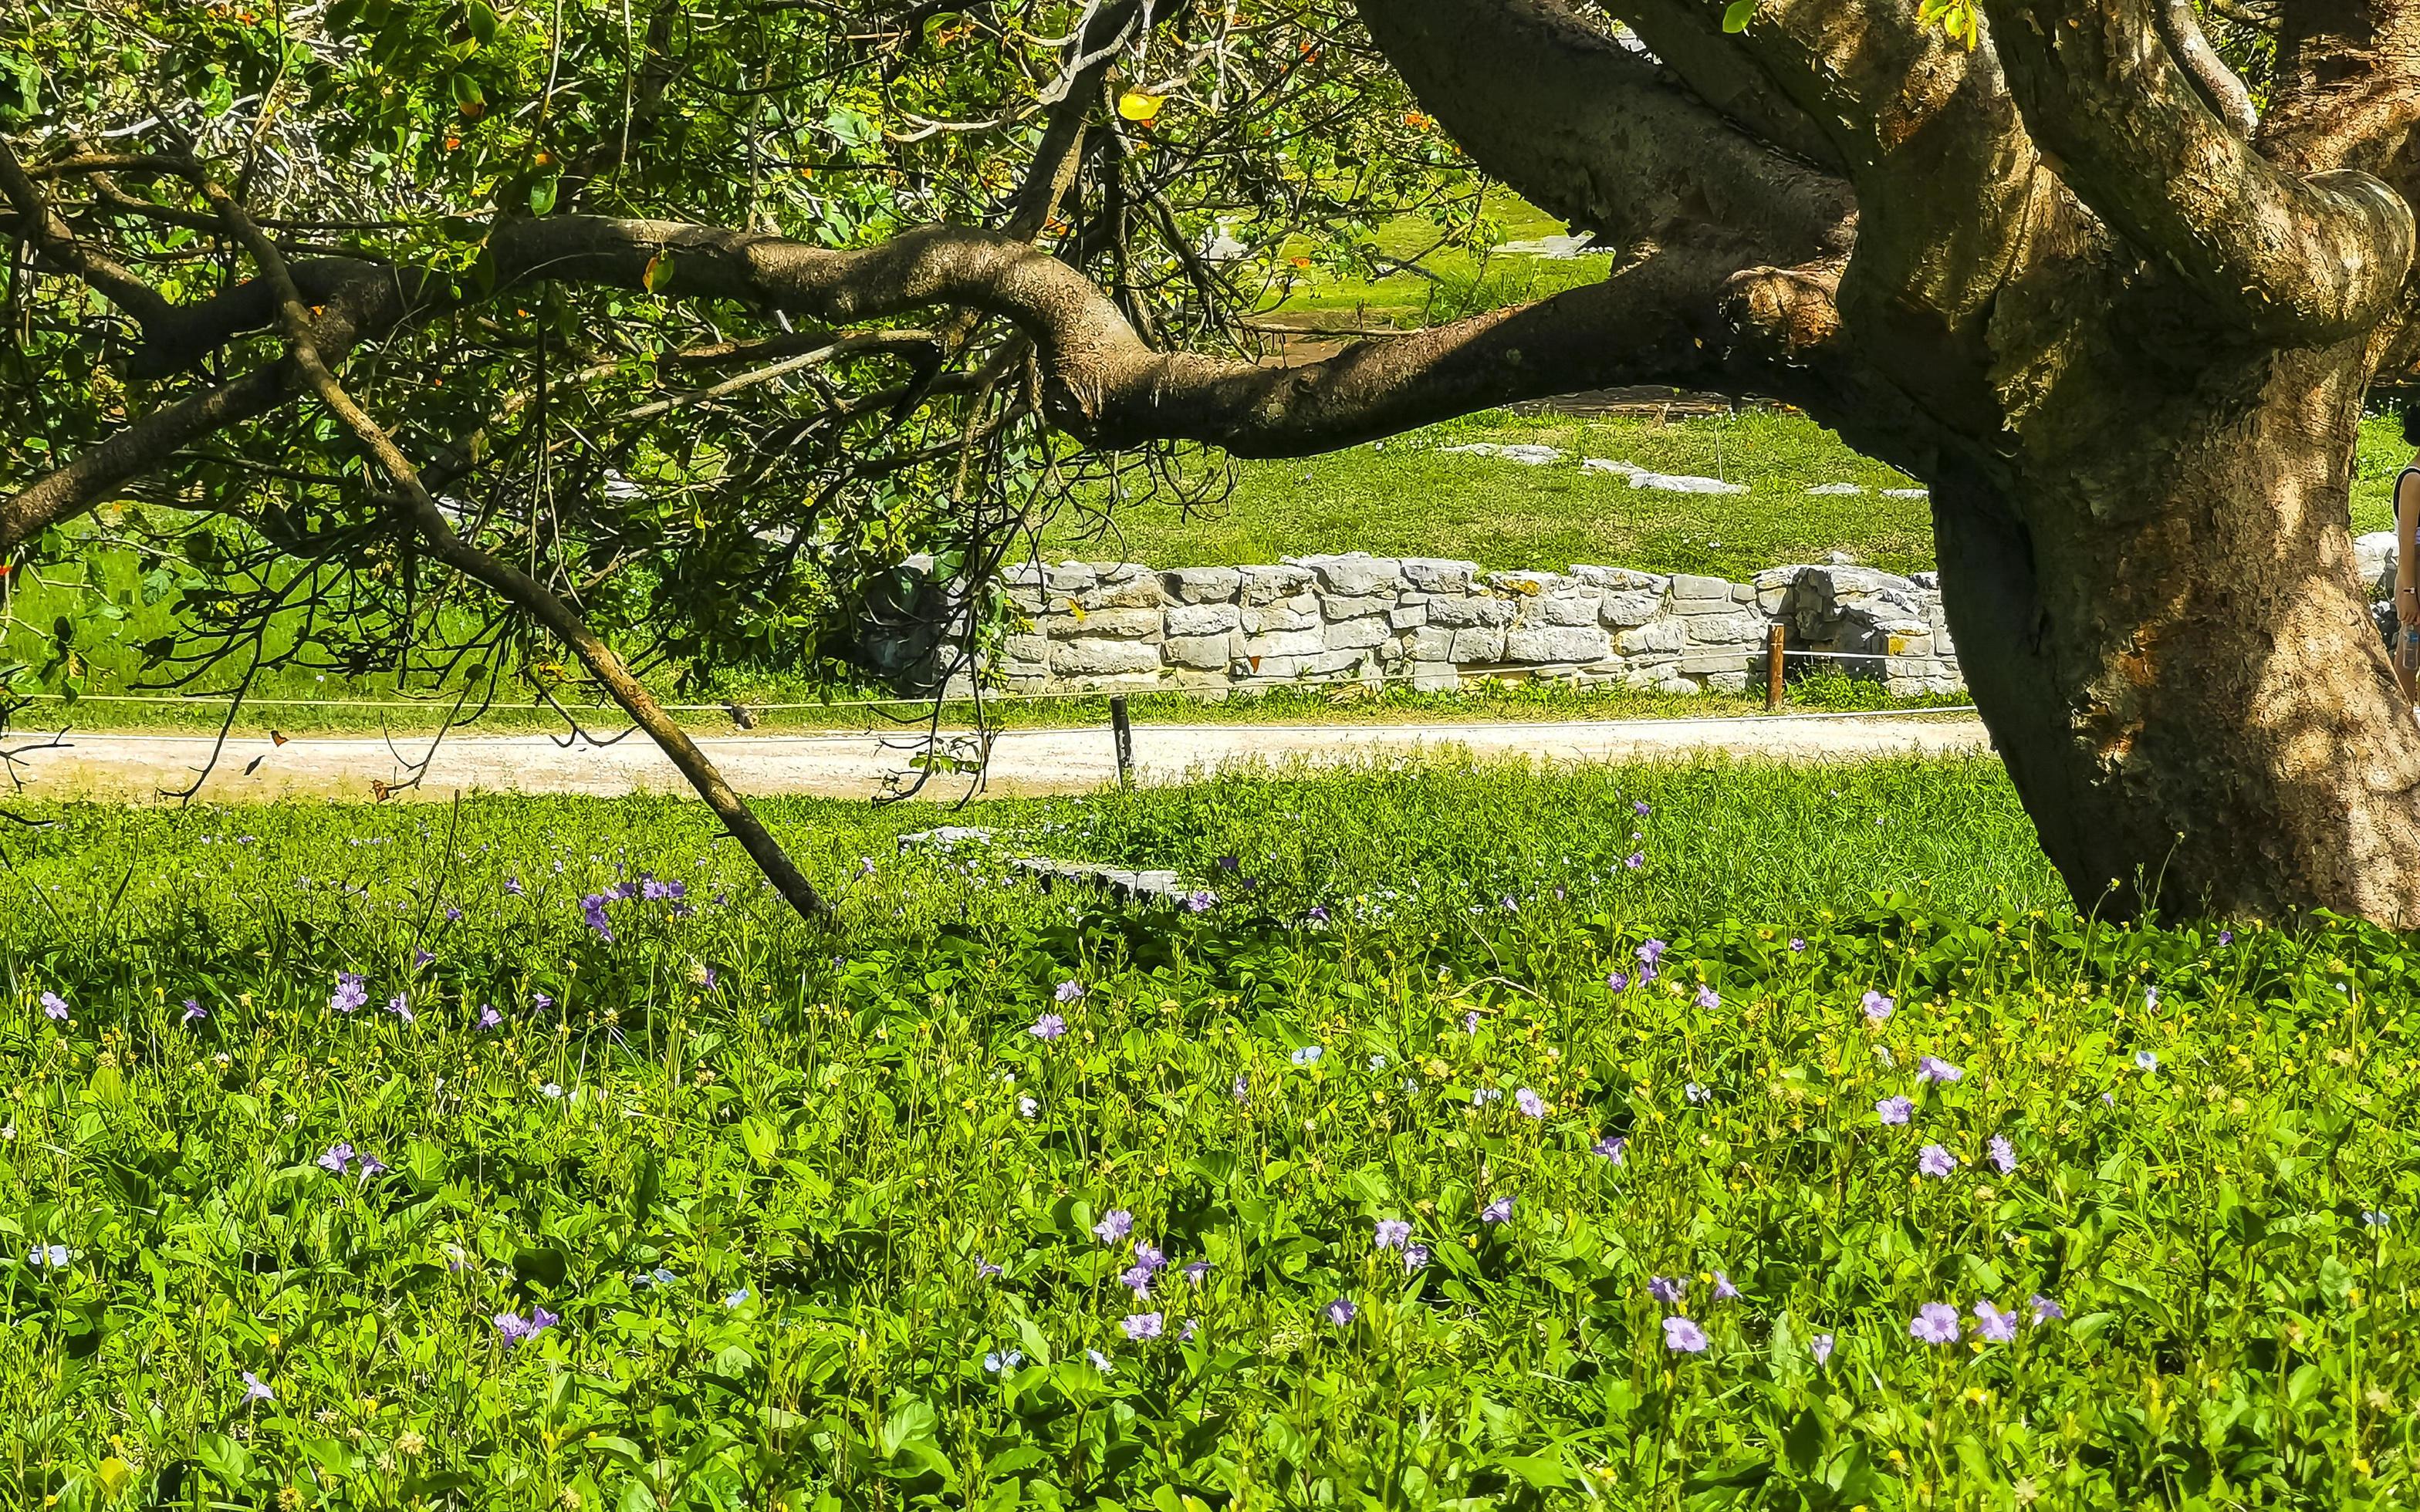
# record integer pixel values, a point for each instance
(140, 767)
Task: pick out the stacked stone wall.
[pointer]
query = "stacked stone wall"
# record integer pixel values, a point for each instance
(1431, 622)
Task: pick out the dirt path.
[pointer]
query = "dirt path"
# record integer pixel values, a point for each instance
(139, 768)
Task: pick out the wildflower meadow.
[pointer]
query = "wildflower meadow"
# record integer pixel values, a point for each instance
(528, 1154)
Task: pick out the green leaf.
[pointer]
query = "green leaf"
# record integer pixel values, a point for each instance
(482, 18)
(660, 272)
(541, 194)
(1737, 14)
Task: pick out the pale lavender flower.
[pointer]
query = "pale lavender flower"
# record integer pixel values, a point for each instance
(1797, 947)
(420, 957)
(1308, 1056)
(1318, 913)
(2150, 997)
(1724, 1290)
(335, 1158)
(1640, 807)
(1934, 1068)
(489, 1017)
(401, 1006)
(1682, 1336)
(1416, 1257)
(1694, 1092)
(1028, 1107)
(541, 1001)
(999, 1361)
(2226, 936)
(984, 1270)
(50, 1257)
(552, 1089)
(1470, 1021)
(1878, 1008)
(1150, 1257)
(1201, 901)
(1820, 1347)
(1615, 1148)
(1617, 982)
(1529, 1102)
(2372, 1218)
(1932, 1159)
(513, 886)
(592, 910)
(370, 1165)
(1394, 1233)
(1652, 952)
(1935, 1322)
(1136, 1279)
(1101, 1361)
(194, 1012)
(1114, 1226)
(2145, 1060)
(55, 1006)
(255, 1391)
(350, 993)
(2045, 1310)
(1242, 1090)
(1195, 1272)
(2004, 1154)
(518, 1329)
(1192, 1327)
(1635, 860)
(1894, 1109)
(1067, 992)
(1342, 1312)
(1500, 1211)
(1994, 1325)
(1048, 1027)
(1667, 1290)
(1707, 997)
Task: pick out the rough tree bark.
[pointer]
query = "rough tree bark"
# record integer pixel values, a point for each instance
(2123, 328)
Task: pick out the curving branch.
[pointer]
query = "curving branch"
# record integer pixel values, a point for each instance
(2281, 256)
(2220, 89)
(1594, 131)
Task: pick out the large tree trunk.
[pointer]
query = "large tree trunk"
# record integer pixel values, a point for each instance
(2155, 604)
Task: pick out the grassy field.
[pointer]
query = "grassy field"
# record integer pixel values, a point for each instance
(1387, 1178)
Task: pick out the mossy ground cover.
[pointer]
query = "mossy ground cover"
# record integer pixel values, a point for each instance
(1485, 1138)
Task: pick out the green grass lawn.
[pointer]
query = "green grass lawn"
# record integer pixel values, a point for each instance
(719, 1213)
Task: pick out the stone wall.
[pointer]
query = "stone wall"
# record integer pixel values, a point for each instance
(1122, 626)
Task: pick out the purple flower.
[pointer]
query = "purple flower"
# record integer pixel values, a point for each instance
(984, 1270)
(513, 886)
(1470, 1021)
(1193, 1326)
(55, 1006)
(1394, 1233)
(1416, 1256)
(541, 1001)
(371, 1165)
(489, 1017)
(2004, 1154)
(1934, 1161)
(1934, 1068)
(2045, 1310)
(2150, 997)
(2226, 936)
(1318, 913)
(1724, 1290)
(516, 1329)
(1617, 982)
(193, 1011)
(1640, 807)
(1635, 860)
(1894, 1109)
(1048, 1027)
(656, 892)
(401, 1006)
(999, 1361)
(1139, 1326)
(1797, 947)
(254, 1391)
(1615, 1148)
(2145, 1060)
(1707, 997)
(1529, 1102)
(1242, 1090)
(1877, 1007)
(1652, 952)
(1136, 1279)
(1682, 1336)
(350, 993)
(1195, 1270)
(420, 957)
(1342, 1312)
(1114, 1226)
(1101, 1361)
(1667, 1290)
(592, 910)
(1935, 1322)
(333, 1159)
(1067, 992)
(1500, 1211)
(1150, 1257)
(1201, 901)
(1820, 1347)
(1992, 1324)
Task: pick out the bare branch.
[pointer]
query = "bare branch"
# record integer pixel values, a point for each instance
(2217, 83)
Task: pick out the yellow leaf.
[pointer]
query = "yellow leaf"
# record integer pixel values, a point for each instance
(1137, 106)
(115, 1475)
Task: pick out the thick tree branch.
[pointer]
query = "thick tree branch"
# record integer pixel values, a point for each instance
(2347, 86)
(2281, 256)
(2217, 83)
(48, 234)
(1056, 158)
(1589, 130)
